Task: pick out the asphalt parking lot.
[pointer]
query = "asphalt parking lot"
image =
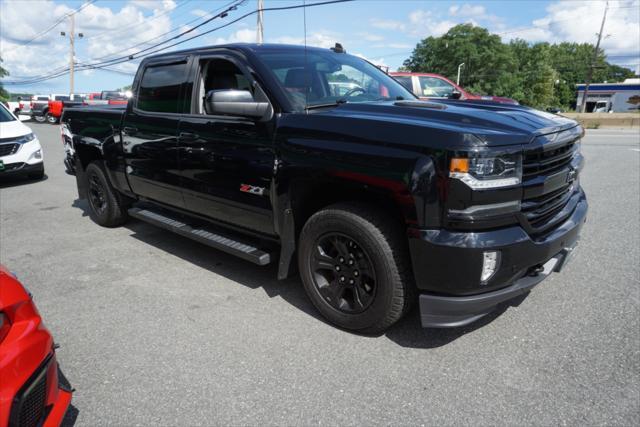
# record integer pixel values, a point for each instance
(158, 330)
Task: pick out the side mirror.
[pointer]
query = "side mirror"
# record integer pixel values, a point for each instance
(455, 95)
(235, 103)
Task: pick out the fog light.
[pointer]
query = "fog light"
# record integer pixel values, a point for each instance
(36, 155)
(490, 263)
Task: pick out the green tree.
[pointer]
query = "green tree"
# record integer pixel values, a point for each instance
(539, 75)
(487, 60)
(4, 95)
(534, 74)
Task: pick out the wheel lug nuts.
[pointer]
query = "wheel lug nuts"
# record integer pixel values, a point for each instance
(337, 268)
(356, 273)
(342, 278)
(351, 281)
(350, 262)
(341, 259)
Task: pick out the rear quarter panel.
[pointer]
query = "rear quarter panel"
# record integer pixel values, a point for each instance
(98, 129)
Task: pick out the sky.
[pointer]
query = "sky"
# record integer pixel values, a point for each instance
(383, 31)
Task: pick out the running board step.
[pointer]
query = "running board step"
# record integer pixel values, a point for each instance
(203, 235)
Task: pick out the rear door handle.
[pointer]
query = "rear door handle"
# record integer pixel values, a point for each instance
(189, 136)
(130, 130)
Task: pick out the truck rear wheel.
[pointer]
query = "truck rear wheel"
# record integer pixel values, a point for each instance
(40, 119)
(106, 207)
(355, 267)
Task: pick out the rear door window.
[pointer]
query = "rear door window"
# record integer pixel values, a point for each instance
(160, 88)
(405, 81)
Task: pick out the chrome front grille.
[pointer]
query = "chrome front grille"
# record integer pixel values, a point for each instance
(548, 167)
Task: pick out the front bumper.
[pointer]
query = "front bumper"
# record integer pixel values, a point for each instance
(24, 161)
(22, 168)
(33, 390)
(447, 266)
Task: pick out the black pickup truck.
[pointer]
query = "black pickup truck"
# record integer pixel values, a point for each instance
(275, 153)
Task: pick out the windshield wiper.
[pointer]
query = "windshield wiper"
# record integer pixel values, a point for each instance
(328, 104)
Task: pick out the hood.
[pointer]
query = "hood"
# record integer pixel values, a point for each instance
(494, 124)
(13, 129)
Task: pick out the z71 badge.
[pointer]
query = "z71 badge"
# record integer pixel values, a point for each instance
(252, 189)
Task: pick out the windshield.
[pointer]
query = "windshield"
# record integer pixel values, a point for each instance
(326, 78)
(5, 115)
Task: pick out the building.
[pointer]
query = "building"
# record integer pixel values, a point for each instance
(611, 97)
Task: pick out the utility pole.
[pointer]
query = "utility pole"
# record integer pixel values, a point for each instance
(583, 105)
(260, 24)
(458, 79)
(72, 50)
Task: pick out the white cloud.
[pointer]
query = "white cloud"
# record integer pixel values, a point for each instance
(468, 10)
(154, 4)
(200, 13)
(375, 61)
(370, 37)
(245, 35)
(387, 24)
(420, 23)
(317, 39)
(106, 33)
(578, 21)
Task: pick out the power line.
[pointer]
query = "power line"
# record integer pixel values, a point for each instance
(152, 18)
(42, 33)
(166, 33)
(223, 14)
(125, 58)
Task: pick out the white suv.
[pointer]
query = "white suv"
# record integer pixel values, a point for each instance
(20, 150)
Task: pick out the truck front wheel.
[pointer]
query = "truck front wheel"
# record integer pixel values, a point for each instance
(105, 206)
(355, 267)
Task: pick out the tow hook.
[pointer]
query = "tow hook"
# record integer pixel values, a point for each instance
(534, 271)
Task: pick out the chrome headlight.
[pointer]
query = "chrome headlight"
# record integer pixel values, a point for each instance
(484, 172)
(25, 138)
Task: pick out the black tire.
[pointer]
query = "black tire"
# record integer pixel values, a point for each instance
(106, 207)
(51, 119)
(40, 119)
(378, 247)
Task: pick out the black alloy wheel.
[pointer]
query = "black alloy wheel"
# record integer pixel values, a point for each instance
(354, 264)
(97, 195)
(106, 206)
(343, 273)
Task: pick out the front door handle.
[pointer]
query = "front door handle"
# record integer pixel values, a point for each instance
(189, 136)
(130, 130)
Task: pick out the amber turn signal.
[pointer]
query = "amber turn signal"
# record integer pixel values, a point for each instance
(459, 165)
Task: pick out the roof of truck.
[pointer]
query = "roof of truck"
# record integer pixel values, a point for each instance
(254, 47)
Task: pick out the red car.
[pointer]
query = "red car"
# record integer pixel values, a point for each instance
(33, 391)
(428, 86)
